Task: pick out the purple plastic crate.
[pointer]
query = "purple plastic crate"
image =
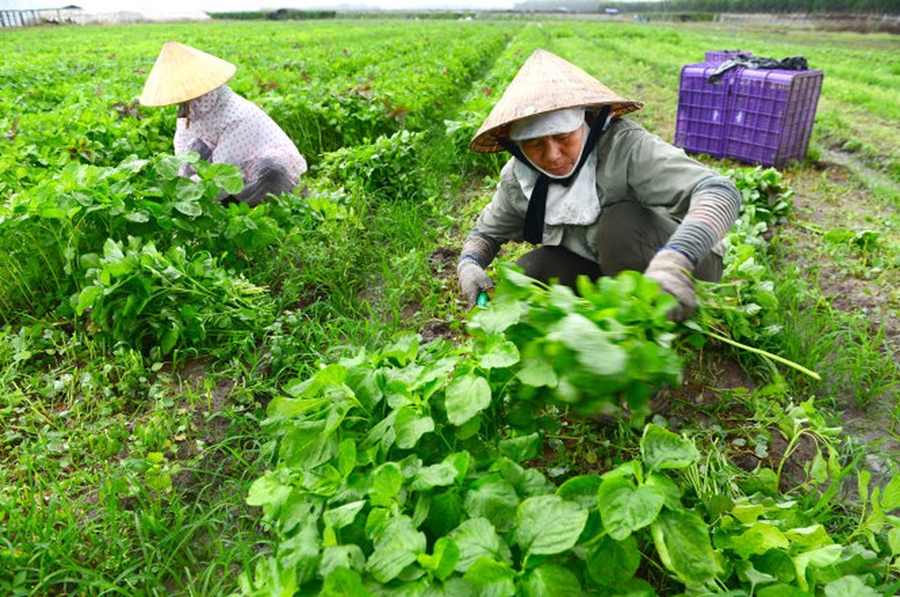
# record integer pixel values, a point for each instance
(700, 126)
(720, 56)
(771, 116)
(757, 116)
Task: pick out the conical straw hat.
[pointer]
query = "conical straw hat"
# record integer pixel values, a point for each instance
(545, 83)
(183, 73)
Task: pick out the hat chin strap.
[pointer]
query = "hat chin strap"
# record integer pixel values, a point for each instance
(537, 203)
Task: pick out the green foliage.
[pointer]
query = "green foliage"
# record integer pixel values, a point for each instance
(152, 257)
(387, 169)
(610, 348)
(146, 299)
(391, 471)
(745, 304)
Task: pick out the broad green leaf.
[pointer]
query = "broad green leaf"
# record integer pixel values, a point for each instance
(167, 343)
(460, 461)
(444, 559)
(498, 352)
(342, 516)
(894, 541)
(890, 499)
(777, 564)
(758, 539)
(342, 582)
(747, 512)
(637, 587)
(595, 352)
(435, 475)
(300, 553)
(167, 168)
(346, 457)
(850, 586)
(330, 376)
(662, 449)
(455, 586)
(493, 498)
(667, 487)
(815, 558)
(228, 178)
(282, 406)
(341, 556)
(188, 191)
(748, 573)
(781, 590)
(548, 524)
(467, 395)
(862, 482)
(804, 537)
(582, 490)
(438, 369)
(189, 208)
(410, 426)
(114, 260)
(527, 481)
(626, 508)
(54, 213)
(682, 541)
(496, 318)
(538, 373)
(551, 580)
(268, 491)
(520, 449)
(491, 578)
(307, 446)
(85, 299)
(131, 164)
(476, 538)
(386, 482)
(611, 563)
(395, 549)
(402, 349)
(139, 217)
(300, 510)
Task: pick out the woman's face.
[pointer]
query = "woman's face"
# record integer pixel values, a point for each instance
(555, 154)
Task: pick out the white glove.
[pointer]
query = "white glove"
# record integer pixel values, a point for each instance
(472, 280)
(672, 271)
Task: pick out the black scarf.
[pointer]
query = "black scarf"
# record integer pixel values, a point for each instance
(537, 203)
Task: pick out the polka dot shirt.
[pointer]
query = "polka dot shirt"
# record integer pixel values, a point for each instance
(238, 132)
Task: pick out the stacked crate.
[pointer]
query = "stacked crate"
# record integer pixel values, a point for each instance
(758, 116)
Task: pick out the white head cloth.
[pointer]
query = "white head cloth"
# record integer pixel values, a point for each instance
(548, 123)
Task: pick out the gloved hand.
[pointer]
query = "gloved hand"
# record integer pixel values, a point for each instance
(672, 271)
(472, 280)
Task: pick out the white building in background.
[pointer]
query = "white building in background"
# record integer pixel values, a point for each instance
(30, 16)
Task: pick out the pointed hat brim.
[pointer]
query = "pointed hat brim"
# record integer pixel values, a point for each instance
(182, 73)
(545, 83)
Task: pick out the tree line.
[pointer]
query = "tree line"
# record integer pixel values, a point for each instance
(867, 7)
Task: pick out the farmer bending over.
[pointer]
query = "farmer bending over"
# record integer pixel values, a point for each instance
(221, 126)
(597, 192)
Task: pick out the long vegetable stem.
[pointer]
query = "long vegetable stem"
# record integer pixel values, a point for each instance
(764, 353)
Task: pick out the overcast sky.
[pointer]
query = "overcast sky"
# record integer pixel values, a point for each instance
(230, 5)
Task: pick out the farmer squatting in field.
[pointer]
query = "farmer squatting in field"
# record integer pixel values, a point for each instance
(220, 125)
(598, 192)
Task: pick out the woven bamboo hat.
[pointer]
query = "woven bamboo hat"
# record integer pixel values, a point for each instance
(545, 83)
(183, 73)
